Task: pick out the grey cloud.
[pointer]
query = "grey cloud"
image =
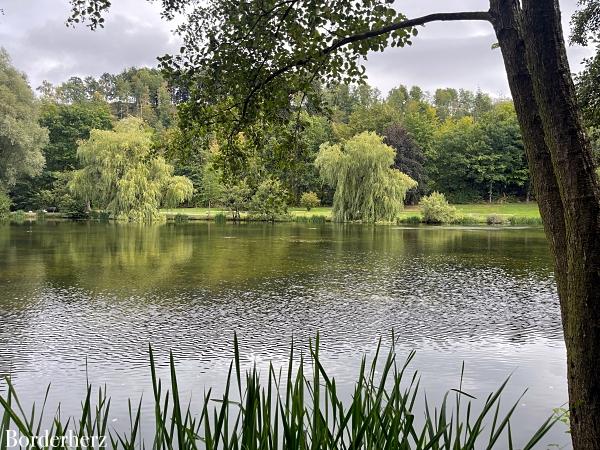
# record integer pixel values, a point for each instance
(81, 52)
(455, 54)
(40, 44)
(431, 63)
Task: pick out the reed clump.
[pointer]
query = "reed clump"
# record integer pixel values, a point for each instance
(296, 409)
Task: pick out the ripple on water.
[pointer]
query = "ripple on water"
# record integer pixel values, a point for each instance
(484, 296)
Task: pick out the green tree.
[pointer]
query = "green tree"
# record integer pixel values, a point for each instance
(5, 204)
(73, 90)
(121, 175)
(409, 159)
(165, 109)
(211, 187)
(309, 200)
(476, 158)
(66, 124)
(236, 197)
(367, 188)
(377, 117)
(421, 122)
(398, 98)
(446, 103)
(482, 104)
(269, 202)
(498, 158)
(21, 137)
(58, 197)
(450, 160)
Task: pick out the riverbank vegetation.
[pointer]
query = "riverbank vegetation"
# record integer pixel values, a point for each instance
(300, 408)
(463, 144)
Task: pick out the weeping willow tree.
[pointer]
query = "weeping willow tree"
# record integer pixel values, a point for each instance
(121, 175)
(367, 188)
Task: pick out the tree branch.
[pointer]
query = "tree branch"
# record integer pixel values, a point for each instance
(437, 17)
(409, 23)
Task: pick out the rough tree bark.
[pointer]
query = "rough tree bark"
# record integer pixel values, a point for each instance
(560, 162)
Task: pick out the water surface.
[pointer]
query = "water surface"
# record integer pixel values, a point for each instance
(71, 291)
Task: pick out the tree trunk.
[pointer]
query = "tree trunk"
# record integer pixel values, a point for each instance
(566, 189)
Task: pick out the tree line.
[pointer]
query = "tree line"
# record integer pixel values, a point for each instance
(464, 144)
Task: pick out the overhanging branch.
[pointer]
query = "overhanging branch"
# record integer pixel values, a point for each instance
(409, 23)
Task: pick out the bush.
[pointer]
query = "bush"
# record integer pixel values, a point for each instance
(269, 201)
(309, 200)
(494, 219)
(5, 204)
(435, 209)
(71, 208)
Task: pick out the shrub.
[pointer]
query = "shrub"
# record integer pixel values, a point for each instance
(309, 200)
(220, 218)
(494, 219)
(410, 219)
(269, 201)
(5, 204)
(71, 208)
(435, 209)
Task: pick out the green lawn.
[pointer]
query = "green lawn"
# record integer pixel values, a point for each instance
(195, 212)
(302, 212)
(504, 209)
(478, 211)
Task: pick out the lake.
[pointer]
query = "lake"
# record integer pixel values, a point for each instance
(485, 296)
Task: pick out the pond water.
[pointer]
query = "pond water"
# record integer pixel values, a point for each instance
(485, 296)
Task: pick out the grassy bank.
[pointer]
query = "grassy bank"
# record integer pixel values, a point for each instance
(474, 213)
(477, 213)
(299, 408)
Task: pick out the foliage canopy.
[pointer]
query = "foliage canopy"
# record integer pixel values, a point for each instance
(21, 137)
(121, 175)
(367, 188)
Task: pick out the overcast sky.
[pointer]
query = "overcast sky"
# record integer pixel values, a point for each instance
(455, 54)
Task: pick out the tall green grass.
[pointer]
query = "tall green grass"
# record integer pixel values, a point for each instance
(220, 218)
(296, 409)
